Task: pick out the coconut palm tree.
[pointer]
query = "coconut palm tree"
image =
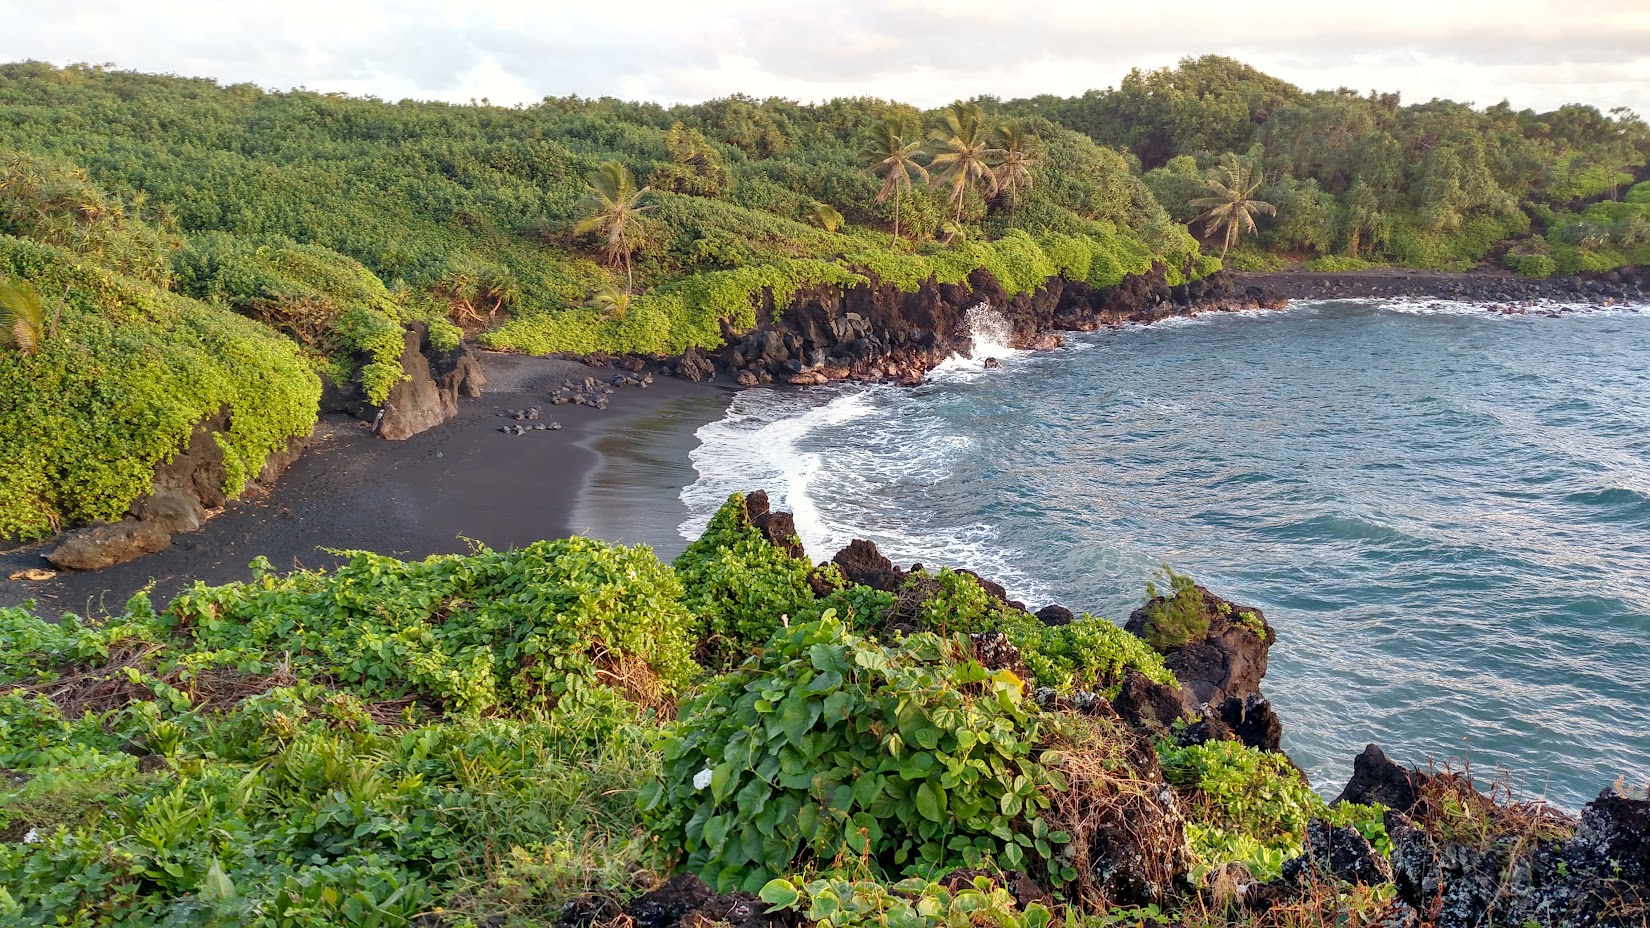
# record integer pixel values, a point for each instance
(960, 149)
(611, 300)
(1021, 154)
(895, 161)
(22, 316)
(613, 208)
(1233, 205)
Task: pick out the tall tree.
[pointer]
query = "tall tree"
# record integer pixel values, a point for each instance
(1232, 206)
(894, 160)
(961, 151)
(613, 208)
(1021, 154)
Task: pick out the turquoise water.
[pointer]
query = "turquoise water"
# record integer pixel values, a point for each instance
(1444, 512)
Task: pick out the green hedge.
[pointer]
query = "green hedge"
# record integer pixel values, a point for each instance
(121, 387)
(689, 312)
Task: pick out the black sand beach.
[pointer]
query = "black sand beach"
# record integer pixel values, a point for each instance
(613, 474)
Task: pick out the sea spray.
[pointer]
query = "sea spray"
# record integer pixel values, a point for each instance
(990, 336)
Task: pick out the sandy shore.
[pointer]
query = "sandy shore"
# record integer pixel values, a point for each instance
(613, 474)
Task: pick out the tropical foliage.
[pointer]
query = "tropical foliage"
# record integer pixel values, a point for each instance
(502, 738)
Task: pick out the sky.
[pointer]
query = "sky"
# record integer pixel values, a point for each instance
(927, 52)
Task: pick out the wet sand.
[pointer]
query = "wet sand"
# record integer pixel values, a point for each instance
(613, 474)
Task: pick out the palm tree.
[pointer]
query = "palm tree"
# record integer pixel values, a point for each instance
(1233, 206)
(1021, 153)
(22, 316)
(611, 300)
(895, 161)
(613, 209)
(825, 216)
(962, 153)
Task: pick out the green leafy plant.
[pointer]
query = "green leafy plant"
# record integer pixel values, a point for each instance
(830, 746)
(1252, 807)
(912, 903)
(570, 620)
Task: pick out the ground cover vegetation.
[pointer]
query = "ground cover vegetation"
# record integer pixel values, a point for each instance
(578, 225)
(504, 738)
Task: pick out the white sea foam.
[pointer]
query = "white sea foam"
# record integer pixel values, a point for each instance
(1422, 306)
(782, 441)
(990, 337)
(755, 447)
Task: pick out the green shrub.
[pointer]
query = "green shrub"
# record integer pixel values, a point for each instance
(740, 587)
(825, 744)
(34, 647)
(122, 386)
(556, 621)
(1248, 258)
(1252, 806)
(837, 902)
(1089, 653)
(1175, 616)
(329, 303)
(1531, 265)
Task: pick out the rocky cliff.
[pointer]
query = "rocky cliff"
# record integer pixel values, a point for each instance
(877, 332)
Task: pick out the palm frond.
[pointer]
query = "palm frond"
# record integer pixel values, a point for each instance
(22, 316)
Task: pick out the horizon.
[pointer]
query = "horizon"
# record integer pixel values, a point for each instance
(1594, 52)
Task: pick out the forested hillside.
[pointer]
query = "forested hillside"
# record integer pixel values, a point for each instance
(1362, 176)
(583, 225)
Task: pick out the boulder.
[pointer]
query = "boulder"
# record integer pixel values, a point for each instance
(171, 509)
(1055, 614)
(415, 403)
(1228, 661)
(779, 528)
(861, 562)
(461, 375)
(1377, 779)
(1614, 837)
(1047, 341)
(1252, 720)
(1146, 704)
(98, 546)
(1340, 852)
(695, 366)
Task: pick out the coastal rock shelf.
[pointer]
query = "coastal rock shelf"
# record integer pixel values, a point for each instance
(878, 333)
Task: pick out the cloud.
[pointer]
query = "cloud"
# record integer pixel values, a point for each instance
(1537, 54)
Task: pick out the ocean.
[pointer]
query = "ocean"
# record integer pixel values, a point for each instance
(1444, 511)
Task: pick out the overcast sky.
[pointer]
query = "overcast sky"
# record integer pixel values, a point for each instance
(928, 52)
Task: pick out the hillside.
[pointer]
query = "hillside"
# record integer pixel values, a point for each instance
(338, 222)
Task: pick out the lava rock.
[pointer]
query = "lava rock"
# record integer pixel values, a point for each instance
(1377, 779)
(684, 900)
(1146, 704)
(98, 546)
(1338, 851)
(861, 562)
(1055, 614)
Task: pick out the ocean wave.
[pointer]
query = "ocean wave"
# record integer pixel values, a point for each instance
(755, 447)
(1424, 306)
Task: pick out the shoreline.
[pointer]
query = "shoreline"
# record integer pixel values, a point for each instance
(429, 494)
(616, 474)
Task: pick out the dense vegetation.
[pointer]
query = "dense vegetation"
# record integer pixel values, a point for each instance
(488, 737)
(1364, 177)
(582, 225)
(125, 371)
